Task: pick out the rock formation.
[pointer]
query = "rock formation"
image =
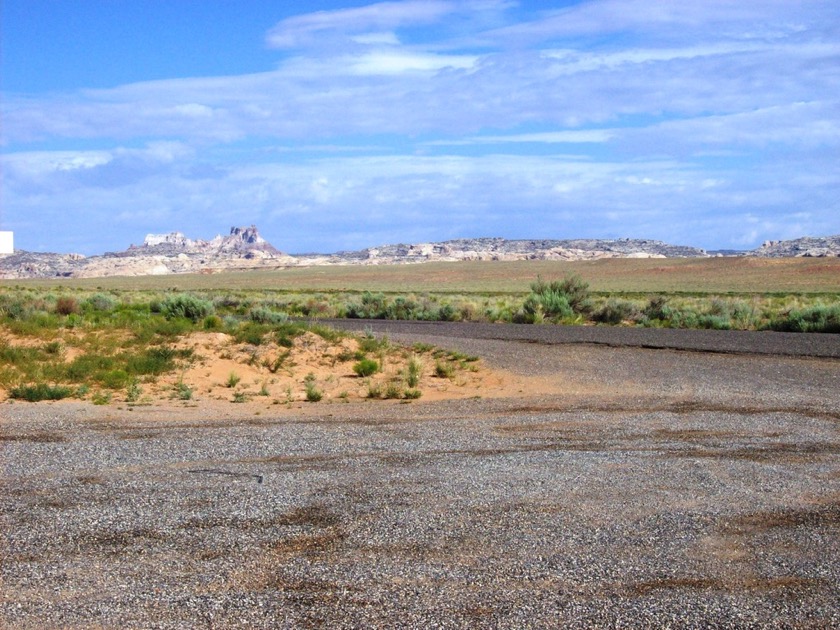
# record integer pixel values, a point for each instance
(504, 249)
(244, 248)
(242, 241)
(807, 246)
(160, 254)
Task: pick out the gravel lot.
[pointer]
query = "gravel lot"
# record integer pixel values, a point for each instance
(691, 483)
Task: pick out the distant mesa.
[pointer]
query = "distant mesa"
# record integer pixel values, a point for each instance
(241, 240)
(244, 248)
(806, 247)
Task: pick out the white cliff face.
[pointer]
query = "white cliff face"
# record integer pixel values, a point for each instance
(241, 240)
(173, 238)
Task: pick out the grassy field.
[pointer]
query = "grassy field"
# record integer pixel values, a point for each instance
(108, 335)
(717, 276)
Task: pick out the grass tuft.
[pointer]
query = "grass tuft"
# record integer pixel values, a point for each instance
(366, 367)
(313, 394)
(40, 391)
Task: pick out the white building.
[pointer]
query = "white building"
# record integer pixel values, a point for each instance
(7, 243)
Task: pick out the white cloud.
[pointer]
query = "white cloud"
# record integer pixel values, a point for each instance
(570, 61)
(303, 29)
(39, 163)
(672, 20)
(797, 126)
(388, 38)
(194, 110)
(387, 62)
(548, 137)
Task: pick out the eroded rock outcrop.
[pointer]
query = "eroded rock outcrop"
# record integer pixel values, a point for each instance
(807, 247)
(524, 249)
(160, 254)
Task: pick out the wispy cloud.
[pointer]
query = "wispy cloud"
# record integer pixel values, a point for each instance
(548, 137)
(382, 16)
(665, 20)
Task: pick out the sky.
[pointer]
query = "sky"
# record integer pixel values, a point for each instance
(337, 125)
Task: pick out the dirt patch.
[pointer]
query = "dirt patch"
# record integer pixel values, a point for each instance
(220, 370)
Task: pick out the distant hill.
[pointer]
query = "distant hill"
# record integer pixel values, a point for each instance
(244, 248)
(819, 247)
(504, 249)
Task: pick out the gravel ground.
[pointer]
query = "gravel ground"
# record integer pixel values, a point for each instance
(668, 488)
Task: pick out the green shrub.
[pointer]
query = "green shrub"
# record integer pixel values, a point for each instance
(88, 367)
(114, 379)
(313, 394)
(183, 391)
(556, 300)
(14, 309)
(212, 322)
(401, 308)
(714, 322)
(327, 333)
(393, 389)
(573, 290)
(616, 311)
(820, 319)
(658, 308)
(530, 312)
(447, 313)
(133, 391)
(14, 355)
(286, 332)
(413, 372)
(346, 355)
(73, 321)
(554, 304)
(167, 328)
(444, 369)
(267, 316)
(101, 398)
(185, 306)
(154, 361)
(371, 343)
(372, 306)
(101, 302)
(40, 391)
(743, 316)
(252, 333)
(413, 394)
(366, 367)
(233, 380)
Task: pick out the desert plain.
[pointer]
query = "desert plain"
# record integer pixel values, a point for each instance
(579, 477)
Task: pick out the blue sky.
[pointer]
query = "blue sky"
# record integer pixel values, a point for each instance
(341, 125)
